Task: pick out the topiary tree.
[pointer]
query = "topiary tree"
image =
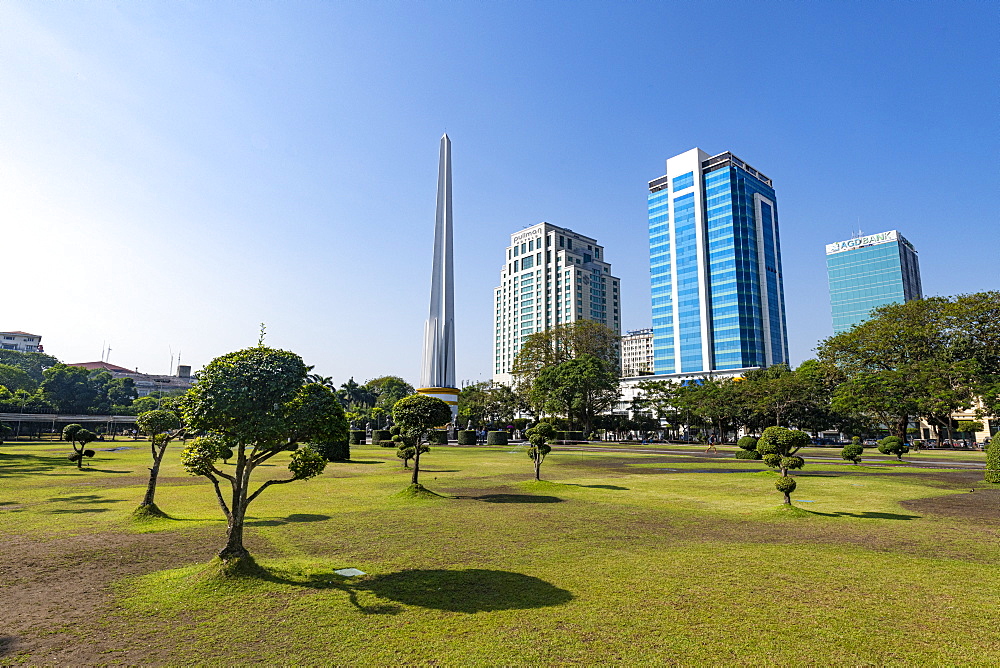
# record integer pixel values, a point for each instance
(993, 460)
(162, 427)
(406, 448)
(852, 452)
(79, 438)
(893, 445)
(255, 403)
(538, 437)
(416, 415)
(777, 446)
(748, 448)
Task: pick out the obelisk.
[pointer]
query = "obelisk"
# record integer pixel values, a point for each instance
(437, 376)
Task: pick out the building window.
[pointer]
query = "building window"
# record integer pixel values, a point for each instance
(683, 181)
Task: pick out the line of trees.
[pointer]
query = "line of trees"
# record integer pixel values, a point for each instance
(924, 359)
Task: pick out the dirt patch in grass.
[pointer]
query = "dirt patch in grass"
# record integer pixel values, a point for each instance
(54, 590)
(981, 505)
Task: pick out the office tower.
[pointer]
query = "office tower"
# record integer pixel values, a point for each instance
(552, 276)
(437, 376)
(715, 265)
(868, 272)
(637, 353)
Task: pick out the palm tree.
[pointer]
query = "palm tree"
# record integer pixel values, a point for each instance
(325, 381)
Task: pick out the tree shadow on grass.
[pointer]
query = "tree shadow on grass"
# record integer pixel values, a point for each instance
(471, 590)
(78, 511)
(291, 519)
(868, 515)
(85, 498)
(616, 487)
(8, 644)
(361, 461)
(440, 471)
(514, 498)
(15, 464)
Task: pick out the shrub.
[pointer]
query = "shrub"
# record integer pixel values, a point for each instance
(893, 445)
(379, 435)
(358, 437)
(855, 440)
(747, 443)
(792, 462)
(772, 459)
(496, 438)
(467, 437)
(394, 430)
(993, 460)
(785, 484)
(438, 437)
(747, 454)
(335, 451)
(852, 453)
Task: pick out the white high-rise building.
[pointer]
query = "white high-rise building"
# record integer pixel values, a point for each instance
(637, 353)
(552, 276)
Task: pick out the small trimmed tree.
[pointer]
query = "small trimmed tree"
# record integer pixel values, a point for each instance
(893, 445)
(162, 427)
(993, 460)
(777, 446)
(416, 415)
(255, 403)
(538, 437)
(79, 438)
(747, 448)
(852, 452)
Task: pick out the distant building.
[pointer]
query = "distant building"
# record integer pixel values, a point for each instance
(21, 341)
(715, 267)
(552, 276)
(637, 353)
(868, 272)
(145, 383)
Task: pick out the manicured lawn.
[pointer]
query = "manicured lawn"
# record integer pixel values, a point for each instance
(617, 557)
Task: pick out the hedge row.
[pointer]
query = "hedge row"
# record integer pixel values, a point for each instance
(438, 437)
(380, 435)
(747, 454)
(358, 437)
(467, 437)
(496, 438)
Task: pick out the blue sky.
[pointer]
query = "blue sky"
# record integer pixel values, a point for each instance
(173, 174)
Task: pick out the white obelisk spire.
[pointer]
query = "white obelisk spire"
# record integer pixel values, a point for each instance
(438, 373)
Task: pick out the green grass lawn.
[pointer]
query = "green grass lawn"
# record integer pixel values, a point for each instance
(614, 558)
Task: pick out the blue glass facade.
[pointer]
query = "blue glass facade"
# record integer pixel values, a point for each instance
(866, 277)
(660, 269)
(728, 299)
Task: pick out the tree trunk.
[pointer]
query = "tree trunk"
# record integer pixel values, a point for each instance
(414, 479)
(234, 536)
(237, 510)
(79, 460)
(147, 500)
(788, 498)
(538, 466)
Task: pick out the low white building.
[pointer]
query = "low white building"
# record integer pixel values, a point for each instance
(637, 353)
(21, 342)
(145, 383)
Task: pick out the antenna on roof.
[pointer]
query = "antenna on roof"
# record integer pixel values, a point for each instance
(109, 355)
(171, 367)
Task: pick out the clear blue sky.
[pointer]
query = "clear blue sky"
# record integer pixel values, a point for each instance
(172, 174)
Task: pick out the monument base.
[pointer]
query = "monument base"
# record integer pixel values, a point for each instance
(449, 395)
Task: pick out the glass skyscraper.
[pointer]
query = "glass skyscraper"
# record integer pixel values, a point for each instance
(868, 272)
(715, 266)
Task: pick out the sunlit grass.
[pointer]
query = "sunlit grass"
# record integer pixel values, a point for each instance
(612, 558)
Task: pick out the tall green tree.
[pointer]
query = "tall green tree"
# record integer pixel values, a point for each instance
(31, 363)
(563, 343)
(578, 389)
(416, 415)
(255, 403)
(388, 390)
(15, 378)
